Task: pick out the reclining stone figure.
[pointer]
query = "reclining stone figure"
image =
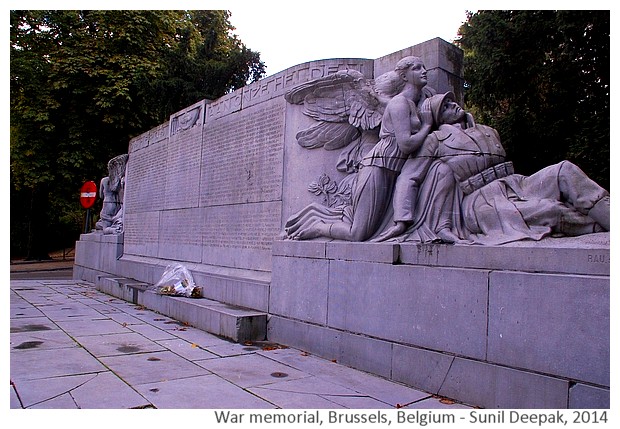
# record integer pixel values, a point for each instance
(470, 193)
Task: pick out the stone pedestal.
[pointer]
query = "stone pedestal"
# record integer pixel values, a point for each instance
(97, 254)
(515, 326)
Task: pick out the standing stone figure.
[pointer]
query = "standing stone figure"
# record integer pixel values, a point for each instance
(405, 123)
(111, 190)
(489, 203)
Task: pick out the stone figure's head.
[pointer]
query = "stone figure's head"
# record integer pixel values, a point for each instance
(391, 83)
(445, 109)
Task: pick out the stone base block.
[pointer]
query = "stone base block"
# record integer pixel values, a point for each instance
(236, 323)
(102, 255)
(525, 325)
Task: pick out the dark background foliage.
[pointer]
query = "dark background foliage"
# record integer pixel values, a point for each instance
(541, 78)
(83, 83)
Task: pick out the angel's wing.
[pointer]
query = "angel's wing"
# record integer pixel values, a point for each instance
(344, 104)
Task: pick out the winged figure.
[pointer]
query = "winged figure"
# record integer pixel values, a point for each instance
(346, 106)
(392, 119)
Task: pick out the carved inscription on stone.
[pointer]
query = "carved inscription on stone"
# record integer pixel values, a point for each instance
(186, 120)
(159, 133)
(182, 172)
(146, 178)
(246, 226)
(141, 234)
(229, 103)
(139, 142)
(277, 84)
(242, 156)
(179, 234)
(598, 258)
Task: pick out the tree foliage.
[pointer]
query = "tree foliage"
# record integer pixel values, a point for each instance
(542, 79)
(84, 82)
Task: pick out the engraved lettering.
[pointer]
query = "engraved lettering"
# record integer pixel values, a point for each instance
(598, 258)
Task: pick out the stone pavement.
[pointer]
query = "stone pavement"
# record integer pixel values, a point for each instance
(72, 346)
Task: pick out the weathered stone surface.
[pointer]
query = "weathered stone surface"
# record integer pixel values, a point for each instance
(436, 308)
(318, 340)
(492, 386)
(177, 238)
(419, 367)
(444, 62)
(300, 290)
(588, 254)
(235, 323)
(554, 324)
(589, 397)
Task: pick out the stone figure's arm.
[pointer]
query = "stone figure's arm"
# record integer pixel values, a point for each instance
(409, 140)
(427, 154)
(102, 186)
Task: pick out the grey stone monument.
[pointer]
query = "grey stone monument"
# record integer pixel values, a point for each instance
(312, 153)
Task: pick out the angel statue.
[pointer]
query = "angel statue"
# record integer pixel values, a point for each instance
(346, 104)
(111, 190)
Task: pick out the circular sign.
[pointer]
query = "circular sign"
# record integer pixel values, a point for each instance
(88, 194)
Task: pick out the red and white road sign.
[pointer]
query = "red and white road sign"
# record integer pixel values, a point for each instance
(88, 194)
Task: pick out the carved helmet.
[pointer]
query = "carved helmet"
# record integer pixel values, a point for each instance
(436, 102)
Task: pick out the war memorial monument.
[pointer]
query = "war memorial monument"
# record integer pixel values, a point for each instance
(352, 209)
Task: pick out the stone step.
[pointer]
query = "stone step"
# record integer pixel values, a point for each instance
(235, 323)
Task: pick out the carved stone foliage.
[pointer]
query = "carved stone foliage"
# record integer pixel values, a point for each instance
(333, 194)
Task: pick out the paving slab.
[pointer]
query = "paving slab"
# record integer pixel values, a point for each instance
(69, 311)
(314, 392)
(92, 326)
(123, 318)
(435, 402)
(357, 402)
(118, 344)
(159, 320)
(207, 391)
(202, 338)
(101, 390)
(151, 332)
(32, 324)
(64, 401)
(14, 402)
(153, 367)
(188, 350)
(228, 349)
(364, 383)
(294, 400)
(251, 370)
(37, 364)
(24, 311)
(52, 339)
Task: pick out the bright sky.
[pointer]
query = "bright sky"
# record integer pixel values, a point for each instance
(286, 37)
(290, 32)
(287, 33)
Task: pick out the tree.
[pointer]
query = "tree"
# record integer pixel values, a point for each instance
(542, 79)
(83, 83)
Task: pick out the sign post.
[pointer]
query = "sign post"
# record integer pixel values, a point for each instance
(88, 196)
